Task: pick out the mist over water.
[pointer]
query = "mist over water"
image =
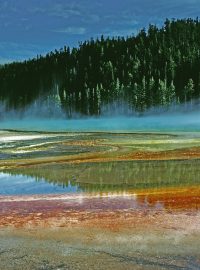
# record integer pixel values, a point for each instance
(190, 122)
(52, 119)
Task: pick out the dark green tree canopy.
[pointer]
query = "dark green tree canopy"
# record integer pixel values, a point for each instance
(158, 66)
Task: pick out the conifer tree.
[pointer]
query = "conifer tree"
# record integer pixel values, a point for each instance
(157, 67)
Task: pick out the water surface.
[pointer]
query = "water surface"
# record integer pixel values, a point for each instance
(27, 185)
(188, 121)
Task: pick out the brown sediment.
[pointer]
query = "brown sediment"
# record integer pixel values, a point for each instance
(138, 229)
(107, 148)
(181, 154)
(187, 153)
(110, 210)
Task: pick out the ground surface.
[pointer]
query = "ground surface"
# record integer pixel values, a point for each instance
(138, 205)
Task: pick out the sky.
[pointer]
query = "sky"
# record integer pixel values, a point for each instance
(31, 27)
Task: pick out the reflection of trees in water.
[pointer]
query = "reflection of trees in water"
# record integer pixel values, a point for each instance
(117, 176)
(141, 174)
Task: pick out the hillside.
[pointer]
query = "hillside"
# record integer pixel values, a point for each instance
(157, 67)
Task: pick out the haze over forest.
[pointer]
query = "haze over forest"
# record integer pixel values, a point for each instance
(157, 67)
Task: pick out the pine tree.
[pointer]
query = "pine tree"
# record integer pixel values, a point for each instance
(189, 90)
(156, 67)
(171, 93)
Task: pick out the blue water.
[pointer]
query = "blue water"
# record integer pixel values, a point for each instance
(176, 122)
(26, 185)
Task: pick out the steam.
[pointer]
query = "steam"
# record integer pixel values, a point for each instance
(40, 108)
(48, 116)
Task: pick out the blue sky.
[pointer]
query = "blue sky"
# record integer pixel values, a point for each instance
(31, 27)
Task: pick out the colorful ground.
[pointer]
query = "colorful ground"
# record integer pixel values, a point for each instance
(137, 205)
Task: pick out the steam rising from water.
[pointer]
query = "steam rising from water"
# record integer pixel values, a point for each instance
(189, 122)
(176, 118)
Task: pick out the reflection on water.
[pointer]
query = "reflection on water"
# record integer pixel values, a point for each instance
(118, 176)
(119, 197)
(25, 185)
(123, 185)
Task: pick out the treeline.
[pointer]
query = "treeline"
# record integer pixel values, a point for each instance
(158, 66)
